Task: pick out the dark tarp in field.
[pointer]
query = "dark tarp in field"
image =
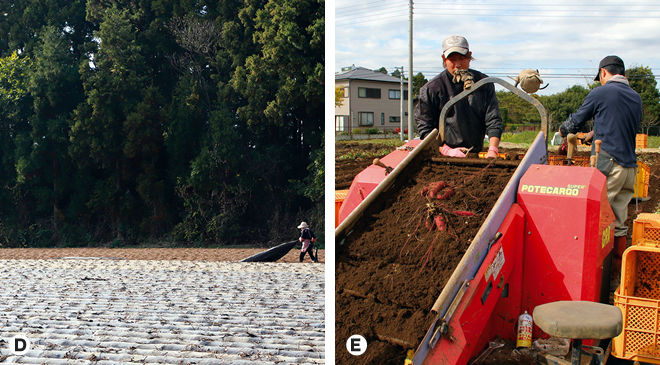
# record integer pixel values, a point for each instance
(273, 254)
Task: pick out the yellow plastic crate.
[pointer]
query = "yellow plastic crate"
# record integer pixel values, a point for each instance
(638, 297)
(643, 179)
(340, 195)
(504, 156)
(563, 161)
(639, 338)
(646, 227)
(641, 141)
(640, 276)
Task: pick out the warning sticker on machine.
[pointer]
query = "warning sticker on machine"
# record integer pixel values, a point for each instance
(496, 265)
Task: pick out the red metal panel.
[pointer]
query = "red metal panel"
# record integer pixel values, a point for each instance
(366, 181)
(474, 316)
(568, 232)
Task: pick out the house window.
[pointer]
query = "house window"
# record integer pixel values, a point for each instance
(345, 92)
(366, 118)
(382, 118)
(340, 123)
(395, 94)
(365, 92)
(395, 119)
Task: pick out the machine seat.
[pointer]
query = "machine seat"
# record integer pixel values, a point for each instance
(579, 320)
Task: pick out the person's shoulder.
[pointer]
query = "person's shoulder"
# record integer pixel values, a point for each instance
(438, 79)
(435, 85)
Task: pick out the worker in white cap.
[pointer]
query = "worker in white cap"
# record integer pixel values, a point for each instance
(470, 120)
(307, 238)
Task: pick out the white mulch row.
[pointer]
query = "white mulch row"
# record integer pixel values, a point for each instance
(102, 311)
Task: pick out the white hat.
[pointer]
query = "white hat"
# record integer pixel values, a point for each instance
(455, 43)
(303, 225)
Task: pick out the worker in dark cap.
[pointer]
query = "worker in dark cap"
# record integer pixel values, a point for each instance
(471, 119)
(616, 110)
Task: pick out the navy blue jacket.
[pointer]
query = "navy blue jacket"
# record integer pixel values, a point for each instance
(617, 111)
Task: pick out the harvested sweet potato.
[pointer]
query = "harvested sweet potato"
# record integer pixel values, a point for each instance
(464, 213)
(447, 194)
(440, 223)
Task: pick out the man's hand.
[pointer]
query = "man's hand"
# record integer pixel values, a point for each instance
(588, 138)
(453, 152)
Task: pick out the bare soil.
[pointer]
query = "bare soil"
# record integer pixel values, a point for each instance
(390, 271)
(184, 254)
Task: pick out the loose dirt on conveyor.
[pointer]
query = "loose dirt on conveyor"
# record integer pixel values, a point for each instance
(390, 270)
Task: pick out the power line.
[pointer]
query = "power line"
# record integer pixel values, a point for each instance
(376, 14)
(364, 21)
(373, 11)
(356, 8)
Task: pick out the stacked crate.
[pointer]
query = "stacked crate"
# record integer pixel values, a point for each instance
(340, 195)
(641, 141)
(638, 296)
(643, 177)
(563, 161)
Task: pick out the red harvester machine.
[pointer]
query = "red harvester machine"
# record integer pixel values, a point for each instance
(548, 238)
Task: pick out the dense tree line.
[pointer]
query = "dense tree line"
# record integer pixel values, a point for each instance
(123, 121)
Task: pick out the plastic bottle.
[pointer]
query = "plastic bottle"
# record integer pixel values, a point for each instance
(524, 330)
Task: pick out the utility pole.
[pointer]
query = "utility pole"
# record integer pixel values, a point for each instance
(403, 114)
(410, 72)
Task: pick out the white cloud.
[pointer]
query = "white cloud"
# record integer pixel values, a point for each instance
(566, 48)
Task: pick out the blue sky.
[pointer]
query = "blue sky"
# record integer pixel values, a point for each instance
(564, 40)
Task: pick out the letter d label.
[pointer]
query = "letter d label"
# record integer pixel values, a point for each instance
(19, 345)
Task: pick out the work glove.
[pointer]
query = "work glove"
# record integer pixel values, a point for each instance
(588, 138)
(492, 152)
(452, 152)
(530, 81)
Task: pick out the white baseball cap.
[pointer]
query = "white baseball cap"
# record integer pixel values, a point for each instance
(455, 43)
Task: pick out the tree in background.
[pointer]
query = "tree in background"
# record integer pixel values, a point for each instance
(418, 81)
(642, 80)
(43, 166)
(560, 106)
(339, 95)
(163, 119)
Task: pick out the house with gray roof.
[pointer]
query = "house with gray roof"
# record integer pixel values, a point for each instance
(371, 99)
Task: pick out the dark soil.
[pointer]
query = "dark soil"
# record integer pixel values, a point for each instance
(346, 169)
(390, 271)
(384, 270)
